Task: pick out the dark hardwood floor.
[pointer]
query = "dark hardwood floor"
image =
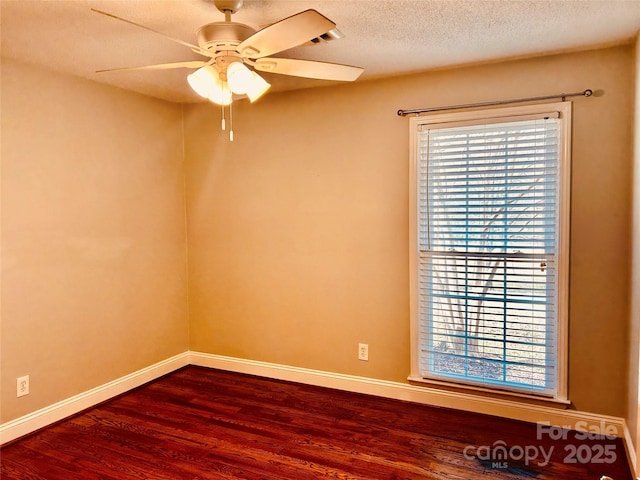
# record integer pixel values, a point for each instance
(200, 423)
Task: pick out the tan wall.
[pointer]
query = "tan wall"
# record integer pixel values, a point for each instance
(298, 231)
(633, 414)
(93, 237)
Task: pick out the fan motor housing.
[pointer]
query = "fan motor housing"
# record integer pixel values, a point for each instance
(220, 36)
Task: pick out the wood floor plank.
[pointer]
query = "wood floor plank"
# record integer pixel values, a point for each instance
(200, 423)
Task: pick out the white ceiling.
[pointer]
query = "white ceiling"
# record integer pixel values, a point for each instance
(386, 37)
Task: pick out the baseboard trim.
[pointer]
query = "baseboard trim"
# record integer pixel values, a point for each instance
(58, 411)
(573, 419)
(631, 452)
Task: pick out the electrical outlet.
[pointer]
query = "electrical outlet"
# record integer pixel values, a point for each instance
(363, 351)
(22, 386)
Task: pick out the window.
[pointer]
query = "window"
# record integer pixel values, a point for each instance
(489, 248)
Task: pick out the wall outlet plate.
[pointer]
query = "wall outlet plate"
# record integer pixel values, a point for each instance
(22, 386)
(363, 351)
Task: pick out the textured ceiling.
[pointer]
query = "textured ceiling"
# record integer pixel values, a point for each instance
(386, 37)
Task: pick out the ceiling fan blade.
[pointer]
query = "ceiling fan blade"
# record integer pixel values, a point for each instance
(308, 69)
(287, 33)
(161, 66)
(195, 48)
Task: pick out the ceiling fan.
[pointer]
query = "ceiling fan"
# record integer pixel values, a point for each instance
(230, 47)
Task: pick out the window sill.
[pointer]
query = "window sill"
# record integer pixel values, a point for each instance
(465, 389)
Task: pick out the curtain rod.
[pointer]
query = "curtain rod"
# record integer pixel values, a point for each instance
(563, 96)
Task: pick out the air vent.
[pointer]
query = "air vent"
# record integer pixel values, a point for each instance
(333, 34)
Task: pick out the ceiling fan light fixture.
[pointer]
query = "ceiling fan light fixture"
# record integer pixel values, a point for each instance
(239, 78)
(220, 94)
(206, 82)
(202, 80)
(259, 87)
(228, 45)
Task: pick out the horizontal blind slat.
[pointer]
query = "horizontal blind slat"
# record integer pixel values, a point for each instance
(487, 213)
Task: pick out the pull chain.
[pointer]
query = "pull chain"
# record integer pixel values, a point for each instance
(230, 122)
(223, 78)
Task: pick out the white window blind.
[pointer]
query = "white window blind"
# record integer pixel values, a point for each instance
(488, 199)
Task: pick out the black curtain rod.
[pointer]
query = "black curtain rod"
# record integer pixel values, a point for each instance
(563, 96)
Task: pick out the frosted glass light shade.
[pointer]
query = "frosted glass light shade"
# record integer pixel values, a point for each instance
(203, 80)
(206, 82)
(239, 78)
(257, 88)
(220, 94)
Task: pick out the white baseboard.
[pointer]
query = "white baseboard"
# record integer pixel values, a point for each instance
(631, 452)
(53, 413)
(573, 419)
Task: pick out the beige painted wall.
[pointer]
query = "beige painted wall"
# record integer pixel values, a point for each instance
(633, 408)
(93, 237)
(298, 231)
